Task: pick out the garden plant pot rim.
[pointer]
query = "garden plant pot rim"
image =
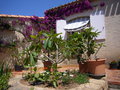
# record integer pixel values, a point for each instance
(99, 60)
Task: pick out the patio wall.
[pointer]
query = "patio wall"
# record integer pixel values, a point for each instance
(9, 36)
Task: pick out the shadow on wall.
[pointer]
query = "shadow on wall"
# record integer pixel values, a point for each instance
(111, 8)
(5, 52)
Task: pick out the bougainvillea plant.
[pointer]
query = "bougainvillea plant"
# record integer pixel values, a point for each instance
(59, 13)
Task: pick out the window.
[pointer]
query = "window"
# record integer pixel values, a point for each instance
(77, 24)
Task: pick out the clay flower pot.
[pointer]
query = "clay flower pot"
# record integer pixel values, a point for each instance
(93, 67)
(96, 67)
(83, 67)
(47, 65)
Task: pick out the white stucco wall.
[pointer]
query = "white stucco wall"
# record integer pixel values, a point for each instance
(60, 28)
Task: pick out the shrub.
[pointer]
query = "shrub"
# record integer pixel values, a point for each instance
(66, 78)
(4, 76)
(56, 78)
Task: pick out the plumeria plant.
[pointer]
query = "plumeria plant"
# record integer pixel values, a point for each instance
(85, 44)
(53, 48)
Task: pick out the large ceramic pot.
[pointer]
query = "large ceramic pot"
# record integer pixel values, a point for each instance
(96, 67)
(47, 65)
(83, 67)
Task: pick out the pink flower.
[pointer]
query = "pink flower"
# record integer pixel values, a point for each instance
(102, 4)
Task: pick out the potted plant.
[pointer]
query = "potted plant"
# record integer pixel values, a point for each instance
(85, 45)
(18, 62)
(97, 66)
(18, 67)
(76, 48)
(53, 50)
(113, 65)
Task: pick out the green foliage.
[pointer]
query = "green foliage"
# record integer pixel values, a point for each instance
(4, 76)
(29, 55)
(56, 78)
(52, 41)
(76, 45)
(53, 48)
(83, 44)
(90, 42)
(81, 79)
(113, 62)
(66, 78)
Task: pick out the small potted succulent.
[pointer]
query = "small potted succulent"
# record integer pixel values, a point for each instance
(113, 65)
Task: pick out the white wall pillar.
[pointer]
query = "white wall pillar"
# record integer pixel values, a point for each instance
(97, 21)
(60, 24)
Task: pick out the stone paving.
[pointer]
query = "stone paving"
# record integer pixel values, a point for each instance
(92, 85)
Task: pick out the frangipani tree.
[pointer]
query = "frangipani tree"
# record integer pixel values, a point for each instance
(84, 44)
(53, 48)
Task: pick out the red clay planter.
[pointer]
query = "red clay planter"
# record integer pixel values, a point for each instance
(47, 65)
(93, 67)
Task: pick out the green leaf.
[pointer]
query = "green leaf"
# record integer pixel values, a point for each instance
(49, 44)
(37, 75)
(41, 79)
(55, 84)
(46, 43)
(45, 34)
(33, 36)
(32, 60)
(35, 69)
(34, 54)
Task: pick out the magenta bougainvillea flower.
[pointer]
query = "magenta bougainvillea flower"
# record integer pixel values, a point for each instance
(102, 4)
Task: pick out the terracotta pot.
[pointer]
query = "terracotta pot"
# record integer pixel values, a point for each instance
(93, 67)
(96, 67)
(83, 68)
(47, 65)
